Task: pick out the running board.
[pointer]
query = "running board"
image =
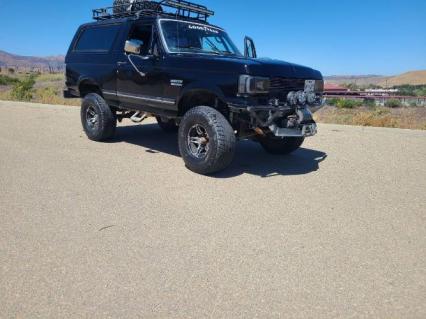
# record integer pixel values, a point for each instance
(139, 117)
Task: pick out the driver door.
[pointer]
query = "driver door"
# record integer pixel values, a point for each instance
(139, 79)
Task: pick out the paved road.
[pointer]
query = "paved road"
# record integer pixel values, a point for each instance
(123, 230)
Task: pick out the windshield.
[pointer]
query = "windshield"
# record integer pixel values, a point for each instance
(188, 37)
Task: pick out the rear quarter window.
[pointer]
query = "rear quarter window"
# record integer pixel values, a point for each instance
(97, 39)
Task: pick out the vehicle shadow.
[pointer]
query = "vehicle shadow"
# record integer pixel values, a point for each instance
(250, 158)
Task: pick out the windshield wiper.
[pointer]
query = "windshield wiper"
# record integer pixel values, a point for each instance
(228, 53)
(216, 50)
(213, 46)
(200, 50)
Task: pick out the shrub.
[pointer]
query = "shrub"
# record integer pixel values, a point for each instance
(411, 90)
(332, 101)
(393, 103)
(7, 80)
(22, 90)
(421, 91)
(344, 103)
(370, 103)
(348, 104)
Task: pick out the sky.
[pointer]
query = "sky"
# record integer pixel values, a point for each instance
(337, 37)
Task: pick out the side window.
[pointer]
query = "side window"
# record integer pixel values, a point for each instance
(142, 33)
(99, 38)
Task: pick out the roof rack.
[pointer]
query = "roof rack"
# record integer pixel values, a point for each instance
(180, 9)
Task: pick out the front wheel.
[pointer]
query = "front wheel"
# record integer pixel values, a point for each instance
(206, 140)
(281, 146)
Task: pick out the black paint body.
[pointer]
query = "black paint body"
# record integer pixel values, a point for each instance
(112, 75)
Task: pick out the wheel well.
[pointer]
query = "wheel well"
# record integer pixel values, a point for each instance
(87, 87)
(201, 98)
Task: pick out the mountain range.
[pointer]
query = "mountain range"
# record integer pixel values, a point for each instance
(412, 78)
(31, 63)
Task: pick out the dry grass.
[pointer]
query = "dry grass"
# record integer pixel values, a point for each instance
(5, 93)
(405, 117)
(49, 95)
(47, 90)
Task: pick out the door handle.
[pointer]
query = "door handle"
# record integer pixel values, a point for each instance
(121, 63)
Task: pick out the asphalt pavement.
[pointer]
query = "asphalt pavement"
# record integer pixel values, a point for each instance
(124, 230)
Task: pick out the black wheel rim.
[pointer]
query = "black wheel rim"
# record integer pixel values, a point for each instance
(92, 118)
(198, 141)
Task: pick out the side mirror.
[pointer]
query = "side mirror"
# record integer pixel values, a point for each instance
(133, 46)
(249, 48)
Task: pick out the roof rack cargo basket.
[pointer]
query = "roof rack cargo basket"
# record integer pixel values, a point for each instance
(179, 9)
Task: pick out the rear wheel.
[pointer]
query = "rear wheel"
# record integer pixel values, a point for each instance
(206, 140)
(98, 120)
(281, 146)
(167, 125)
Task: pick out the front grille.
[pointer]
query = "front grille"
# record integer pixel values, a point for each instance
(287, 84)
(280, 87)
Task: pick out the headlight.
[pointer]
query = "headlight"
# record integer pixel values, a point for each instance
(311, 97)
(316, 86)
(253, 84)
(319, 86)
(301, 97)
(292, 98)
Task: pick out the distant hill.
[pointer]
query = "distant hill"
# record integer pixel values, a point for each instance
(30, 63)
(412, 78)
(360, 80)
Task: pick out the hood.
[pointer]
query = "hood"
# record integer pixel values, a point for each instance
(257, 67)
(276, 68)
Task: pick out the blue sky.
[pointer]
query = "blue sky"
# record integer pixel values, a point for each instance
(334, 36)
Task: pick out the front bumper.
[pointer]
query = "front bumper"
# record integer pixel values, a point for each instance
(298, 121)
(305, 130)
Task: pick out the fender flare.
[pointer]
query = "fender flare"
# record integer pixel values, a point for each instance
(87, 80)
(201, 87)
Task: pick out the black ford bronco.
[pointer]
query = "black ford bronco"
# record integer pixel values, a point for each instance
(162, 59)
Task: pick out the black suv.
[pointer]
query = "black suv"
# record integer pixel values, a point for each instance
(163, 59)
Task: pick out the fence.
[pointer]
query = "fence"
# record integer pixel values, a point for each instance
(380, 100)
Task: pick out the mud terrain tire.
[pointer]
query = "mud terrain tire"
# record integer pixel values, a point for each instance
(281, 146)
(98, 120)
(206, 124)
